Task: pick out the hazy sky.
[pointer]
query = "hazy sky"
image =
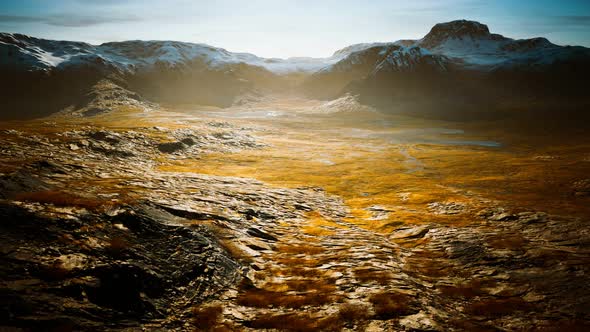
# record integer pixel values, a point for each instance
(282, 28)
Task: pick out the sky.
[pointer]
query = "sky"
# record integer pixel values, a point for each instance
(286, 28)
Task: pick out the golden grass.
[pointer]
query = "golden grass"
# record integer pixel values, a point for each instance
(469, 289)
(497, 307)
(390, 305)
(283, 322)
(297, 249)
(208, 319)
(365, 275)
(317, 225)
(63, 199)
(366, 170)
(298, 261)
(117, 245)
(350, 312)
(513, 242)
(260, 298)
(303, 286)
(234, 250)
(365, 176)
(300, 322)
(362, 177)
(303, 272)
(514, 175)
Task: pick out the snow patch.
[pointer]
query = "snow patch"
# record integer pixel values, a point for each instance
(347, 104)
(42, 54)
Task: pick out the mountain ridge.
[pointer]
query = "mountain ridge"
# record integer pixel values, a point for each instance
(53, 53)
(460, 53)
(465, 71)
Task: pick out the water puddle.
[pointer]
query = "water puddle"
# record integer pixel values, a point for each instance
(441, 136)
(254, 114)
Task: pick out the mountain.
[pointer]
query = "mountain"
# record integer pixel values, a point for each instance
(460, 67)
(393, 57)
(31, 53)
(472, 45)
(42, 76)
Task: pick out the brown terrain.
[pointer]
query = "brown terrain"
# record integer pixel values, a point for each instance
(291, 214)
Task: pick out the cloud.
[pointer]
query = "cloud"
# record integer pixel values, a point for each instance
(583, 20)
(18, 19)
(102, 2)
(68, 20)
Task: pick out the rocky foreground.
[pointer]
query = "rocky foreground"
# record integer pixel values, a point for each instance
(97, 236)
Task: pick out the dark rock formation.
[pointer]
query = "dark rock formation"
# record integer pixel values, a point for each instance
(140, 265)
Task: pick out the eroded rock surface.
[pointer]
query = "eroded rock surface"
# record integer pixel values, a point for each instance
(118, 229)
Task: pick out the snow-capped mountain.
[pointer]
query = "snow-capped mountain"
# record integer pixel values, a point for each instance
(42, 71)
(37, 70)
(471, 44)
(465, 43)
(399, 58)
(457, 62)
(365, 59)
(39, 54)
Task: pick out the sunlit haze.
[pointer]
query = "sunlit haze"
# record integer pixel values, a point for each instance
(280, 28)
(294, 165)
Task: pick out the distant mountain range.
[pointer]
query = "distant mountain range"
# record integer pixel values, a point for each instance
(458, 68)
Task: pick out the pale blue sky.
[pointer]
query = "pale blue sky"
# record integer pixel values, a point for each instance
(283, 28)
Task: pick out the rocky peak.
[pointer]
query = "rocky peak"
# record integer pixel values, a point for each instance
(459, 29)
(524, 45)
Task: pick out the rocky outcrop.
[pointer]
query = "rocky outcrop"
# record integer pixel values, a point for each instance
(461, 29)
(80, 271)
(82, 250)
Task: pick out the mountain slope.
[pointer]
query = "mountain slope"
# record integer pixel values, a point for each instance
(459, 67)
(471, 44)
(41, 77)
(33, 54)
(394, 57)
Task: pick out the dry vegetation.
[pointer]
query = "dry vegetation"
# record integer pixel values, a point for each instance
(469, 290)
(303, 322)
(54, 271)
(260, 298)
(513, 242)
(363, 176)
(64, 199)
(365, 173)
(353, 313)
(226, 240)
(117, 245)
(497, 307)
(367, 275)
(300, 249)
(390, 305)
(208, 318)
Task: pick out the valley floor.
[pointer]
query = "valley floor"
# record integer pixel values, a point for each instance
(292, 214)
